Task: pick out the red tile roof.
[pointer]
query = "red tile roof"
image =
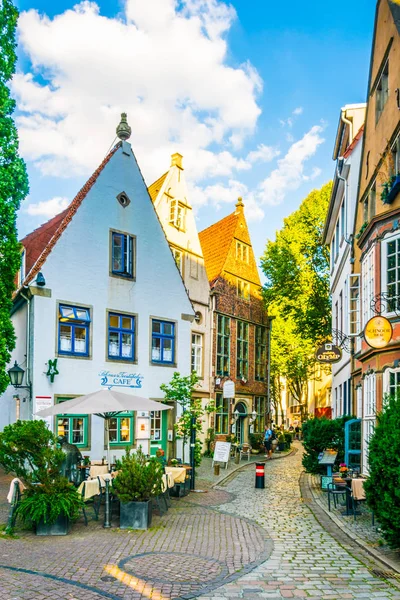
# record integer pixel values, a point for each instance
(41, 241)
(354, 143)
(155, 187)
(215, 242)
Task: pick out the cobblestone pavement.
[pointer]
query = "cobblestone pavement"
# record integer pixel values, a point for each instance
(191, 549)
(307, 561)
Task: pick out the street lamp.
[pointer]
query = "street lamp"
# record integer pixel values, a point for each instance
(16, 375)
(236, 414)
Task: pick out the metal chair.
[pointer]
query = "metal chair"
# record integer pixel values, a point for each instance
(93, 502)
(335, 490)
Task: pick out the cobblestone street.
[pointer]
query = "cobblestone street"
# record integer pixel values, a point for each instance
(233, 542)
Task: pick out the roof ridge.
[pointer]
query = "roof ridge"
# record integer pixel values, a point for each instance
(66, 219)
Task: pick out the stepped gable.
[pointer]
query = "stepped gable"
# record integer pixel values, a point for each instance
(41, 241)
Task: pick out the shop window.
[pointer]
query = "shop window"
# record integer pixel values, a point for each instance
(74, 428)
(221, 414)
(121, 429)
(155, 426)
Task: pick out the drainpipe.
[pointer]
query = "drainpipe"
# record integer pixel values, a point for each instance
(350, 124)
(269, 328)
(28, 344)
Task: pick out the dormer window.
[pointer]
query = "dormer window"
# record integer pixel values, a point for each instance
(177, 215)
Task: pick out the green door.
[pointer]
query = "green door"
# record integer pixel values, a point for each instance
(158, 431)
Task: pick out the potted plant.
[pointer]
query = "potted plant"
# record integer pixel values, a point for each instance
(174, 462)
(49, 503)
(255, 442)
(281, 442)
(138, 481)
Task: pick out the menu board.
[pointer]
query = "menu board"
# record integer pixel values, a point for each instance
(328, 457)
(222, 452)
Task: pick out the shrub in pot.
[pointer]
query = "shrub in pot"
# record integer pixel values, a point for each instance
(256, 442)
(29, 450)
(281, 442)
(139, 480)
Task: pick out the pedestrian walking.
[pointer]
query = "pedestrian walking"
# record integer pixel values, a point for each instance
(268, 442)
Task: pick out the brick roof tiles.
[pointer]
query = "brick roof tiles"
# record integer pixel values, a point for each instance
(42, 240)
(215, 242)
(155, 187)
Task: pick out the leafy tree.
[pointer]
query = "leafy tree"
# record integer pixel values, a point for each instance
(13, 185)
(29, 449)
(319, 434)
(296, 265)
(180, 390)
(383, 484)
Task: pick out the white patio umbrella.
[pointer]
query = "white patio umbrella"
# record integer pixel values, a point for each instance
(104, 403)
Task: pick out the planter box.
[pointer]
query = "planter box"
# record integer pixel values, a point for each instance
(394, 190)
(135, 515)
(60, 527)
(178, 491)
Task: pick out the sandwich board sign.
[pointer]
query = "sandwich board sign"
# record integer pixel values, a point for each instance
(222, 452)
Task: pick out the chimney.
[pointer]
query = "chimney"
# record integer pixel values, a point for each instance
(176, 160)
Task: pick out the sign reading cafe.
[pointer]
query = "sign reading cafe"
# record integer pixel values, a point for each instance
(121, 379)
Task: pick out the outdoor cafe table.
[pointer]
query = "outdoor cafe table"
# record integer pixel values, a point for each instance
(178, 473)
(354, 490)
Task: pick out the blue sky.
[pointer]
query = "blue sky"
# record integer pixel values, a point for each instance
(248, 92)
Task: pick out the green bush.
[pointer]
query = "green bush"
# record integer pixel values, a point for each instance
(256, 441)
(383, 484)
(288, 439)
(29, 449)
(320, 434)
(47, 502)
(138, 479)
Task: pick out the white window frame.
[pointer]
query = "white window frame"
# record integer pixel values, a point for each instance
(352, 304)
(177, 215)
(369, 396)
(384, 278)
(368, 285)
(368, 426)
(178, 256)
(386, 381)
(197, 354)
(242, 251)
(359, 394)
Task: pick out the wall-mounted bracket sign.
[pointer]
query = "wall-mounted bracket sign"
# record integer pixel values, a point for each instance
(378, 332)
(120, 379)
(328, 353)
(52, 370)
(228, 389)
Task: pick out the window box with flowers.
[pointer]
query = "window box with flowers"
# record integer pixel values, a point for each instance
(391, 188)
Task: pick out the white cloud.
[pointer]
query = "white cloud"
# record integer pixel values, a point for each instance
(220, 194)
(298, 110)
(48, 208)
(262, 154)
(289, 121)
(289, 174)
(167, 67)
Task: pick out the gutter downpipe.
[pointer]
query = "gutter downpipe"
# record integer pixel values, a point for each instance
(269, 329)
(28, 347)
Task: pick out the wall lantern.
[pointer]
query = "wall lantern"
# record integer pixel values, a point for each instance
(236, 414)
(16, 375)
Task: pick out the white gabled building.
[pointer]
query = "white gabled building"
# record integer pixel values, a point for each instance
(171, 201)
(112, 308)
(338, 232)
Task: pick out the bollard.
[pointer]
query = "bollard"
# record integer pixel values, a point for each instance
(216, 469)
(237, 458)
(260, 478)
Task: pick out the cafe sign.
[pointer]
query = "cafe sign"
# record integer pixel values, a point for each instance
(120, 379)
(378, 332)
(328, 353)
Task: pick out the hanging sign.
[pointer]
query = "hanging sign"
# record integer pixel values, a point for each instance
(228, 389)
(328, 353)
(52, 370)
(120, 379)
(378, 332)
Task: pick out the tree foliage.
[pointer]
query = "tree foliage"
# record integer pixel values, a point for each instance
(13, 185)
(180, 390)
(383, 484)
(320, 434)
(139, 478)
(296, 265)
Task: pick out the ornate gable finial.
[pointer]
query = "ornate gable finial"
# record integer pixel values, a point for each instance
(123, 130)
(239, 205)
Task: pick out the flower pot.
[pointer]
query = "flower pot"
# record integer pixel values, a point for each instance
(59, 527)
(135, 515)
(255, 452)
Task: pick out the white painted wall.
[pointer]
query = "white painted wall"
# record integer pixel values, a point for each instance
(77, 272)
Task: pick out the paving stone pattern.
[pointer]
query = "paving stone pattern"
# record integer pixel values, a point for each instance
(306, 562)
(189, 549)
